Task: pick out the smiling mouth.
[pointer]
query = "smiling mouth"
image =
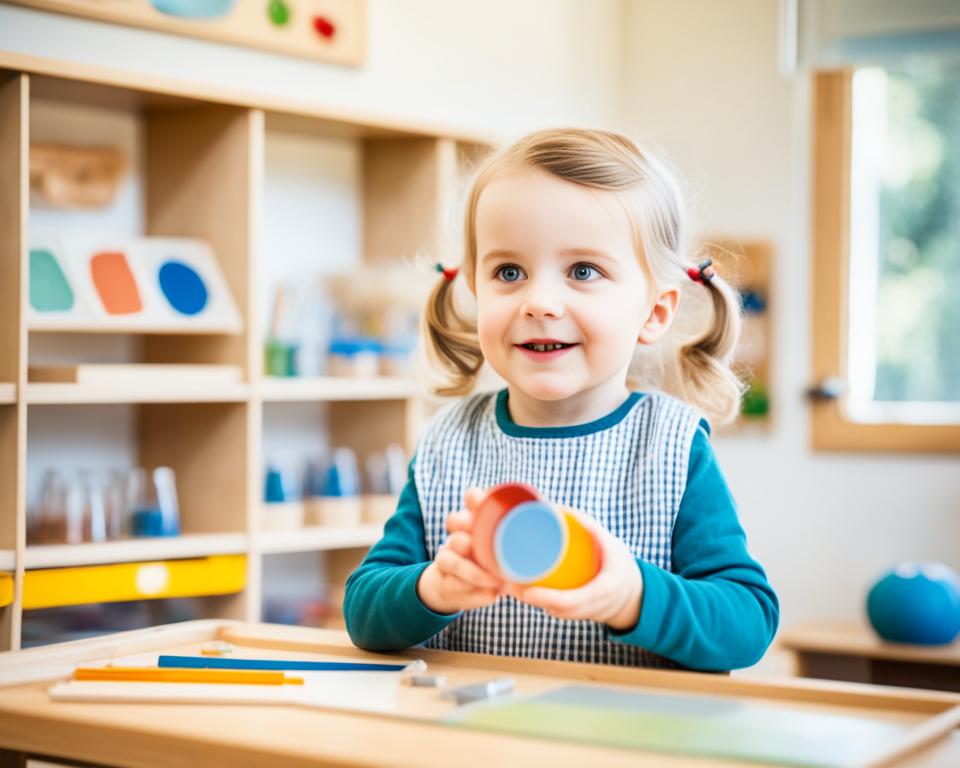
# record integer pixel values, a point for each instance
(545, 347)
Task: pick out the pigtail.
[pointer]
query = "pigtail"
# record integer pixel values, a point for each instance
(705, 377)
(450, 339)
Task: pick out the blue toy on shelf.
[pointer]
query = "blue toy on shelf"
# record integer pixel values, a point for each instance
(916, 603)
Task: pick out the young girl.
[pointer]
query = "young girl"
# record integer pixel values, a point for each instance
(576, 254)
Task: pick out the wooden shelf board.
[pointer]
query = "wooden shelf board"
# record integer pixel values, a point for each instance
(8, 393)
(337, 388)
(315, 539)
(135, 550)
(83, 83)
(54, 394)
(161, 330)
(7, 560)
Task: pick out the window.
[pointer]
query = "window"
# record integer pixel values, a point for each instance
(887, 257)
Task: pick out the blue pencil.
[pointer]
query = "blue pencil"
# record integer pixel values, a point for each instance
(203, 662)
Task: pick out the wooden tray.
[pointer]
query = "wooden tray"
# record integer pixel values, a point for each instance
(402, 731)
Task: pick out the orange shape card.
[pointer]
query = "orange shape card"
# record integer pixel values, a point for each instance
(115, 283)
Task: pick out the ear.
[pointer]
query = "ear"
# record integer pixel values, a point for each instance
(661, 316)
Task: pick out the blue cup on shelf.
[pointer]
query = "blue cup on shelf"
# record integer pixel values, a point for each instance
(155, 510)
(273, 492)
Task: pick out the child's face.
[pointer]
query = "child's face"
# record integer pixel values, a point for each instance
(556, 263)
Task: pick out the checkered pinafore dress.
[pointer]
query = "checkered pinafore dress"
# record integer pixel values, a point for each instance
(630, 475)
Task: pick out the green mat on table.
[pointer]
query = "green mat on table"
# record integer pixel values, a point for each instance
(682, 724)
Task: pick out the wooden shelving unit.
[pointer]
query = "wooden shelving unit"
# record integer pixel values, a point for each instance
(203, 175)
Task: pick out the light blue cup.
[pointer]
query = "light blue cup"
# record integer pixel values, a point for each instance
(194, 9)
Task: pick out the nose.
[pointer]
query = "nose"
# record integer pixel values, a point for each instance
(542, 300)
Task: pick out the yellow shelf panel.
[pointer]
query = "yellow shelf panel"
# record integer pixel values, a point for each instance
(6, 589)
(217, 575)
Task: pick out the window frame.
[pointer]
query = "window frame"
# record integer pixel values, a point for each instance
(831, 430)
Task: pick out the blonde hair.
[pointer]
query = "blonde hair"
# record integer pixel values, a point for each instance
(695, 367)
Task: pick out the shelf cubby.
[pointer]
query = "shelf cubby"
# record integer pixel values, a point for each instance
(190, 176)
(205, 445)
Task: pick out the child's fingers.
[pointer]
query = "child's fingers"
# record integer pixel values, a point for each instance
(459, 521)
(590, 599)
(461, 543)
(472, 499)
(465, 595)
(478, 598)
(453, 564)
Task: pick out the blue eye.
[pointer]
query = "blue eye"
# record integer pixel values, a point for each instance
(584, 272)
(509, 273)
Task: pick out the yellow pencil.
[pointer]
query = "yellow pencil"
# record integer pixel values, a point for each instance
(165, 675)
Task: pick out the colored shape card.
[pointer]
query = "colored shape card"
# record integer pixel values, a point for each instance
(89, 282)
(678, 724)
(53, 298)
(186, 281)
(115, 284)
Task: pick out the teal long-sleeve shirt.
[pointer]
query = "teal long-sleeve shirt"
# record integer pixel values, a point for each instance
(714, 611)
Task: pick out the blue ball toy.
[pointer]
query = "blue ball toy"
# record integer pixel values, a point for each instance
(916, 603)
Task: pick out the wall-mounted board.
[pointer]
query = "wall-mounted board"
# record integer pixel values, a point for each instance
(333, 31)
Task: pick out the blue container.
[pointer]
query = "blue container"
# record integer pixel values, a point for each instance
(273, 492)
(916, 603)
(151, 522)
(194, 9)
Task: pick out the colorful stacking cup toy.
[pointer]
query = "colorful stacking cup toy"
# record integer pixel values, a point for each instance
(526, 540)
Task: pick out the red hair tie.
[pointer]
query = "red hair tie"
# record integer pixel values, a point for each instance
(703, 272)
(448, 274)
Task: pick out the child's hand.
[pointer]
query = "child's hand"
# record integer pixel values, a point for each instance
(612, 597)
(453, 581)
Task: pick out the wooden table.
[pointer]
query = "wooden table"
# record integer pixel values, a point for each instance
(852, 651)
(238, 735)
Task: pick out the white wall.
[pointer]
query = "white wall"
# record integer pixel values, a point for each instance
(700, 78)
(496, 65)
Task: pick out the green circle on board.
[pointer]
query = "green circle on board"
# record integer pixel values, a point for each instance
(279, 12)
(49, 289)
